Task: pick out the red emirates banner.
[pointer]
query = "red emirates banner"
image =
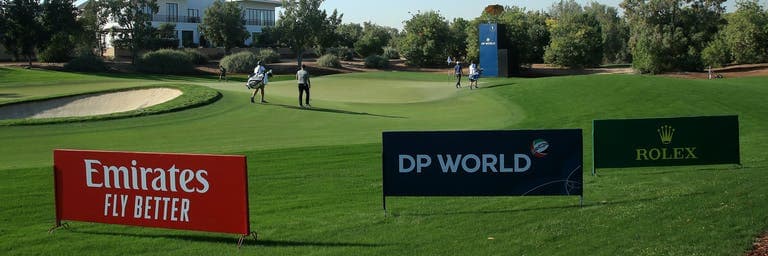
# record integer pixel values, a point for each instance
(177, 191)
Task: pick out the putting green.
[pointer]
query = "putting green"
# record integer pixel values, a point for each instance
(233, 124)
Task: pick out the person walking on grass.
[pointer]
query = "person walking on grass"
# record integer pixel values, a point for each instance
(260, 75)
(473, 75)
(302, 76)
(457, 72)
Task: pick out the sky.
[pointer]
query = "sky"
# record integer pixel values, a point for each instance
(392, 13)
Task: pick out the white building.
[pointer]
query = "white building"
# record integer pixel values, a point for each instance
(187, 15)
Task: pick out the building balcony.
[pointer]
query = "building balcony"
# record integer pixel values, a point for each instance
(258, 22)
(176, 19)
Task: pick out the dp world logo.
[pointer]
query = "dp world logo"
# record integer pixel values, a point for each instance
(539, 148)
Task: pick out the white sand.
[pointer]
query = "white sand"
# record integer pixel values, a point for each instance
(90, 104)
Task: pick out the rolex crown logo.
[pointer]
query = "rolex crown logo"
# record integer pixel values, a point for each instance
(665, 133)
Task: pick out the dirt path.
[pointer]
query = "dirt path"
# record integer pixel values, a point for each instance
(746, 70)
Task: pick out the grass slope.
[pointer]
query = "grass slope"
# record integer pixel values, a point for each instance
(315, 174)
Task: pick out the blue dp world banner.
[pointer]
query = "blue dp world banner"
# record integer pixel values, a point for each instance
(666, 141)
(482, 163)
(489, 49)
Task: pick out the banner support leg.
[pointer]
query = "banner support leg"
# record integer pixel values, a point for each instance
(57, 226)
(384, 204)
(242, 238)
(581, 201)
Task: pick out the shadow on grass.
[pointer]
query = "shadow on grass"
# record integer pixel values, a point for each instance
(497, 85)
(488, 211)
(587, 204)
(10, 95)
(653, 171)
(231, 240)
(337, 111)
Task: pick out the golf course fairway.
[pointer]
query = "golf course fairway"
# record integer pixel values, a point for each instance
(315, 174)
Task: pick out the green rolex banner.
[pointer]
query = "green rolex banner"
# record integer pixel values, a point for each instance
(666, 141)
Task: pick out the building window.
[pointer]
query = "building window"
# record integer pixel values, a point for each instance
(259, 17)
(193, 15)
(173, 12)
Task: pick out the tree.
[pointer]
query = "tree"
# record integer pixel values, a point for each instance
(23, 28)
(671, 34)
(426, 37)
(373, 40)
(525, 31)
(327, 36)
(93, 18)
(717, 53)
(165, 37)
(3, 21)
(538, 36)
(615, 32)
(223, 25)
(746, 34)
(301, 24)
(457, 44)
(135, 20)
(576, 39)
(60, 26)
(349, 34)
(268, 37)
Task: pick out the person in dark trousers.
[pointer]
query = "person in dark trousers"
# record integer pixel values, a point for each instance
(302, 76)
(457, 72)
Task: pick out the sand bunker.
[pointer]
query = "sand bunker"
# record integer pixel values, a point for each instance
(89, 104)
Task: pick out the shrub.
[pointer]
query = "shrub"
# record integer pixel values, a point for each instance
(241, 62)
(391, 53)
(59, 49)
(329, 61)
(343, 53)
(376, 61)
(86, 63)
(196, 57)
(268, 56)
(166, 62)
(717, 53)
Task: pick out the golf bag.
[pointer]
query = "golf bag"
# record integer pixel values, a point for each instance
(254, 80)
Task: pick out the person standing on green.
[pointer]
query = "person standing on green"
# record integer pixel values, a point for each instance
(302, 76)
(222, 73)
(457, 72)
